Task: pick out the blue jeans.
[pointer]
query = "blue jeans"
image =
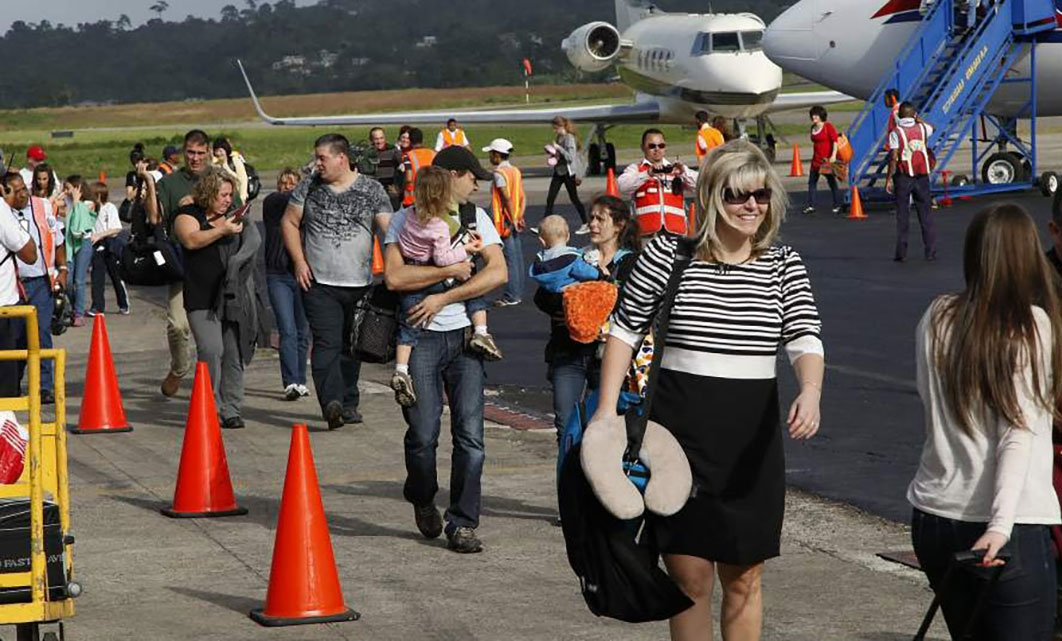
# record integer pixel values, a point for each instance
(831, 180)
(513, 251)
(39, 294)
(82, 260)
(441, 362)
(571, 374)
(286, 299)
(408, 334)
(1020, 606)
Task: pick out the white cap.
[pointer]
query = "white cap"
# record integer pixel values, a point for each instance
(500, 145)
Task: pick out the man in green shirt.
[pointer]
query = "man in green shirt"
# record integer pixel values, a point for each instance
(161, 203)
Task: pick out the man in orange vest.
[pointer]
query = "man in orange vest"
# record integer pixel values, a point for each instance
(507, 204)
(417, 156)
(451, 136)
(45, 275)
(658, 188)
(708, 137)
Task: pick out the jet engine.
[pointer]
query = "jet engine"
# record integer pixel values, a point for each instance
(593, 46)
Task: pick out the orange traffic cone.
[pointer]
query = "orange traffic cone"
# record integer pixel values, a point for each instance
(377, 258)
(103, 176)
(203, 484)
(610, 183)
(855, 210)
(797, 168)
(101, 404)
(303, 582)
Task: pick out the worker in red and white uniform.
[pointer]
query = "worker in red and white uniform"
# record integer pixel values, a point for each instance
(658, 188)
(910, 164)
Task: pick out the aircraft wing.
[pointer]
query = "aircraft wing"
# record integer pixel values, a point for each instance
(805, 99)
(637, 112)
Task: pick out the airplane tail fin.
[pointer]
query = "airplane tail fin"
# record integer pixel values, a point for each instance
(630, 11)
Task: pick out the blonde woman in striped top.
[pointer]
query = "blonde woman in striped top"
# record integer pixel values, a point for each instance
(741, 298)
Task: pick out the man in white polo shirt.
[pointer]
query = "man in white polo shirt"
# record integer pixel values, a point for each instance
(15, 242)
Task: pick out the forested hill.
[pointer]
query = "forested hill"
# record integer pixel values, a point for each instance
(332, 46)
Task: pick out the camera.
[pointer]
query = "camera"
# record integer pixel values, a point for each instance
(136, 155)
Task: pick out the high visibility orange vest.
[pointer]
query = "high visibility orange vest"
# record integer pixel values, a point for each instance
(514, 185)
(415, 159)
(656, 207)
(455, 137)
(708, 138)
(47, 246)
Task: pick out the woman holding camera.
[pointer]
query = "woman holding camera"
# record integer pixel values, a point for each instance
(80, 223)
(738, 301)
(219, 287)
(988, 363)
(234, 163)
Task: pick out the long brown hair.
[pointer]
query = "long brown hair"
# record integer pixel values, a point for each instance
(433, 193)
(984, 336)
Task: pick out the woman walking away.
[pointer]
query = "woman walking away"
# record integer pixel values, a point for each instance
(823, 156)
(219, 252)
(987, 362)
(284, 294)
(740, 298)
(566, 151)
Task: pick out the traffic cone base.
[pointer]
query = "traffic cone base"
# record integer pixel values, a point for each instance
(101, 401)
(203, 488)
(259, 616)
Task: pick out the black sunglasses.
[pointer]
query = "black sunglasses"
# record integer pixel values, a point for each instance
(656, 145)
(762, 196)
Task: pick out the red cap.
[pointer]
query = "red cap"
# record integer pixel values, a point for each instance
(36, 152)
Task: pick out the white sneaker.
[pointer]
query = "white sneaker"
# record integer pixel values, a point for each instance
(303, 391)
(582, 231)
(291, 392)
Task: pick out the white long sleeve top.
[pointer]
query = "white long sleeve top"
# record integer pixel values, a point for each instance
(998, 474)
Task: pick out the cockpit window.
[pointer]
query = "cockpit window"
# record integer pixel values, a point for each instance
(752, 40)
(725, 42)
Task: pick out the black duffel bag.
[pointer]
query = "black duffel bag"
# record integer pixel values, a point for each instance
(151, 259)
(376, 331)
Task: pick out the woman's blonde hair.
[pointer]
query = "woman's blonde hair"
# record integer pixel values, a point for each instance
(569, 128)
(433, 193)
(984, 336)
(208, 186)
(741, 167)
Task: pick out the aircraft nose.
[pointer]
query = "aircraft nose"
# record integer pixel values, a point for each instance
(790, 40)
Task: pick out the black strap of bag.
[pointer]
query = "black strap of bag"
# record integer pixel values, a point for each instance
(638, 416)
(964, 561)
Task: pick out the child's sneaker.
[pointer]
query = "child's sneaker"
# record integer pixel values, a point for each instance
(402, 384)
(483, 344)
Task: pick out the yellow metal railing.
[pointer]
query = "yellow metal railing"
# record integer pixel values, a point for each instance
(45, 471)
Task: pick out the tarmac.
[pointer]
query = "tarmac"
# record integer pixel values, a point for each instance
(151, 577)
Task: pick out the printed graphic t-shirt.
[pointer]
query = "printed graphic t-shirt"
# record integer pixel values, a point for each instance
(337, 229)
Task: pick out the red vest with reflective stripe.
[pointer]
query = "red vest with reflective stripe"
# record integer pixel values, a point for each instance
(656, 207)
(415, 159)
(47, 246)
(913, 154)
(514, 185)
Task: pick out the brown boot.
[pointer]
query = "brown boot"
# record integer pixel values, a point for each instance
(171, 384)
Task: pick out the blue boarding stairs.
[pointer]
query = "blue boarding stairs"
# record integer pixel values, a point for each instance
(950, 74)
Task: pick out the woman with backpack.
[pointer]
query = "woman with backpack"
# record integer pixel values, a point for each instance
(739, 300)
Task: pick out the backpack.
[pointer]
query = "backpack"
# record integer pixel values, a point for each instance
(254, 183)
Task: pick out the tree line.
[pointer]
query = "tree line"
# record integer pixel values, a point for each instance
(335, 45)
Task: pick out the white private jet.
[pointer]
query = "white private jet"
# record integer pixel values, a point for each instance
(678, 64)
(849, 45)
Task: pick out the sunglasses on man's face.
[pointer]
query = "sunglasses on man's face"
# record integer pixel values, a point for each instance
(656, 145)
(735, 197)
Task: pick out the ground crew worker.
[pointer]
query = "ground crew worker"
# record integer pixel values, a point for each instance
(42, 277)
(708, 137)
(417, 156)
(892, 101)
(507, 208)
(450, 136)
(910, 165)
(658, 188)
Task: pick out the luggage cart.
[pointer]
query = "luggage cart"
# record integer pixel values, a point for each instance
(43, 594)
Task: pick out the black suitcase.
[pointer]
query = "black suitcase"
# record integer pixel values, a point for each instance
(967, 558)
(15, 548)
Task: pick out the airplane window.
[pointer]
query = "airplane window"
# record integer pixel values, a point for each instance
(725, 42)
(752, 40)
(702, 45)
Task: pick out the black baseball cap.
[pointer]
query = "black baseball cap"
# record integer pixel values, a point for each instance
(460, 159)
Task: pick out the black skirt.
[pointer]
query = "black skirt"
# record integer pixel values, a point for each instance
(730, 431)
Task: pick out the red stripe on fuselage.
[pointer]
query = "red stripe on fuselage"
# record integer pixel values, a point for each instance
(897, 6)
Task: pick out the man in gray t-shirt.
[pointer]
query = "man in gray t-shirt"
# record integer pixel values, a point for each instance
(328, 232)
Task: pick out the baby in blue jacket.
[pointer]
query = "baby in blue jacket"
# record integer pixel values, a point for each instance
(559, 265)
